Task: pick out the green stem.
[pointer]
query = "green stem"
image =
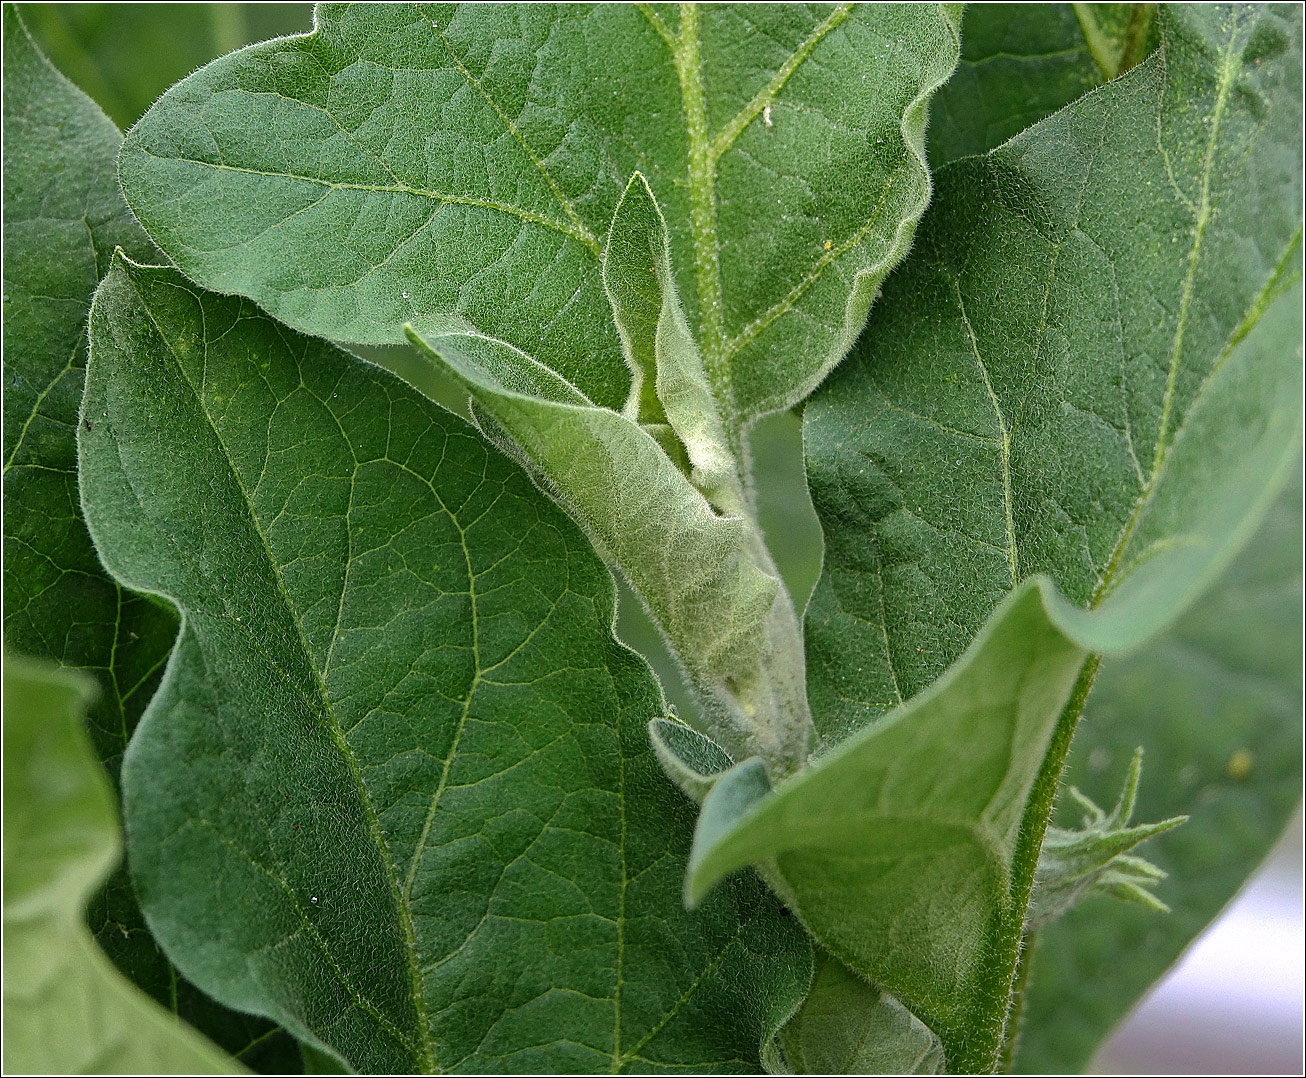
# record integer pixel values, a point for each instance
(1016, 1011)
(976, 1044)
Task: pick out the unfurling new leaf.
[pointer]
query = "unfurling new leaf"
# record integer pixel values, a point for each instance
(1095, 859)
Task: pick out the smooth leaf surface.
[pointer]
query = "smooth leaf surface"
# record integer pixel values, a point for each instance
(63, 216)
(1022, 62)
(66, 1009)
(1068, 299)
(1218, 700)
(125, 55)
(466, 160)
(395, 790)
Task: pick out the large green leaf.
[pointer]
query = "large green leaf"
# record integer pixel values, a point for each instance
(125, 55)
(63, 216)
(1009, 407)
(66, 1009)
(395, 790)
(943, 804)
(1021, 62)
(1217, 702)
(467, 160)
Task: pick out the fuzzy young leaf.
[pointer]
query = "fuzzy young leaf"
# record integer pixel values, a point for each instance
(395, 790)
(693, 567)
(466, 160)
(1094, 858)
(66, 1009)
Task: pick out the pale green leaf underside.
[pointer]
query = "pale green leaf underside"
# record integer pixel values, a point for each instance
(467, 160)
(1068, 298)
(396, 789)
(847, 1026)
(692, 566)
(66, 1009)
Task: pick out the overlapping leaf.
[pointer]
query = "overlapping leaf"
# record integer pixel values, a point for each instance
(1013, 365)
(396, 790)
(658, 490)
(67, 1010)
(466, 160)
(1009, 408)
(1022, 62)
(63, 217)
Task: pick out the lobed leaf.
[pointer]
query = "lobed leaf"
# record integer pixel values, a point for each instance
(465, 160)
(395, 790)
(67, 1009)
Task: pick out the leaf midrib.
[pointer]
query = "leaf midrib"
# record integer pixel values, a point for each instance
(325, 709)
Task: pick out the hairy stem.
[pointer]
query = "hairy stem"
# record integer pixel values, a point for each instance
(979, 1046)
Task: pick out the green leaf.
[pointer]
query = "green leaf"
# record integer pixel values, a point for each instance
(941, 805)
(1022, 62)
(696, 570)
(66, 1009)
(466, 161)
(897, 849)
(396, 790)
(1070, 295)
(1217, 703)
(847, 1026)
(1108, 348)
(126, 55)
(63, 216)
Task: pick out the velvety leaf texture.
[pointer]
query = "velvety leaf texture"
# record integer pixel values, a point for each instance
(848, 1026)
(1068, 298)
(1019, 331)
(395, 790)
(63, 216)
(67, 1010)
(1217, 703)
(466, 160)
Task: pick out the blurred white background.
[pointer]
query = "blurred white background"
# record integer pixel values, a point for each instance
(1233, 1004)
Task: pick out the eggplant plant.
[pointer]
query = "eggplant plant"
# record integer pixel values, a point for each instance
(396, 796)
